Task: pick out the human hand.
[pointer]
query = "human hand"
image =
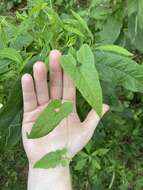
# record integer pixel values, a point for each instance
(71, 132)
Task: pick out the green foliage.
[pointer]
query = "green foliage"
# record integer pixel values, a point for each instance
(115, 49)
(84, 74)
(55, 112)
(112, 25)
(53, 159)
(119, 70)
(104, 25)
(11, 54)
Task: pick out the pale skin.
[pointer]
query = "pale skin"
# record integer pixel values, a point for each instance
(70, 133)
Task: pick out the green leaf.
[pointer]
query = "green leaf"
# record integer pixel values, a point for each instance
(13, 106)
(95, 164)
(50, 118)
(53, 159)
(14, 103)
(22, 40)
(11, 54)
(3, 38)
(119, 70)
(38, 7)
(112, 26)
(100, 152)
(132, 7)
(73, 30)
(5, 65)
(53, 16)
(100, 12)
(85, 76)
(80, 164)
(25, 62)
(115, 49)
(135, 32)
(82, 23)
(13, 133)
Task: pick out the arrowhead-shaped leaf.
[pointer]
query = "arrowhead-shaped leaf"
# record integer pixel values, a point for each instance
(50, 118)
(84, 74)
(52, 159)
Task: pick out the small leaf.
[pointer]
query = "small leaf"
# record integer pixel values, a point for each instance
(50, 118)
(100, 152)
(39, 6)
(11, 54)
(85, 76)
(73, 30)
(115, 49)
(53, 159)
(95, 164)
(80, 164)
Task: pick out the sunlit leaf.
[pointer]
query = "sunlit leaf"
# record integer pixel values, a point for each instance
(85, 76)
(53, 159)
(50, 118)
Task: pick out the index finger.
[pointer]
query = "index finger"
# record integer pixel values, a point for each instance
(29, 95)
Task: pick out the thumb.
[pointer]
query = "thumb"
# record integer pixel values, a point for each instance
(93, 118)
(88, 127)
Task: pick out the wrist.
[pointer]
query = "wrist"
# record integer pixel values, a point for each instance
(49, 179)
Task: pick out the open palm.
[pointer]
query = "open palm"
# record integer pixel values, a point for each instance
(71, 132)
